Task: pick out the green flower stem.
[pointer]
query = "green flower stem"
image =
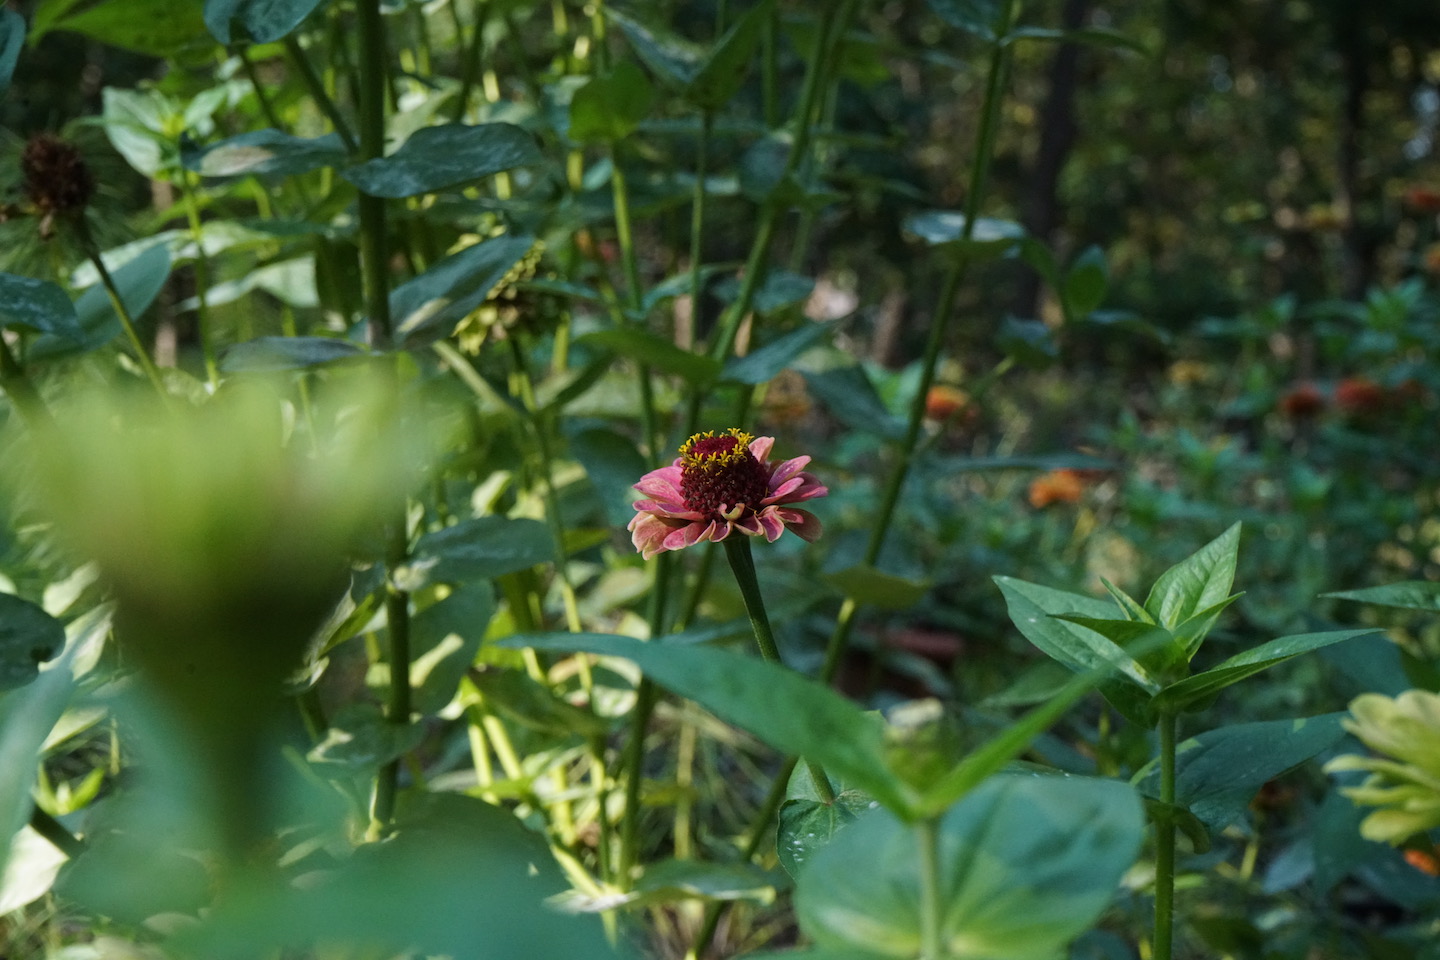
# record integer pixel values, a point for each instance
(132, 333)
(56, 832)
(202, 278)
(267, 106)
(758, 832)
(1165, 843)
(21, 389)
(316, 88)
(742, 563)
(997, 75)
(927, 835)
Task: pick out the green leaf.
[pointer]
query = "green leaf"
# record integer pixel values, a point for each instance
(139, 281)
(1406, 595)
(670, 881)
(27, 716)
(12, 39)
(261, 21)
(848, 393)
(534, 706)
(946, 229)
(1218, 772)
(479, 549)
(28, 637)
(764, 364)
(37, 305)
(1134, 635)
(360, 739)
(450, 155)
(428, 307)
(654, 352)
(1102, 37)
(719, 77)
(1196, 583)
(1202, 686)
(1086, 282)
(1028, 342)
(1025, 863)
(609, 108)
(872, 587)
(673, 58)
(138, 124)
(266, 153)
(614, 465)
(973, 16)
(444, 638)
(806, 826)
(1131, 607)
(272, 354)
(775, 704)
(157, 28)
(1033, 609)
(989, 758)
(1193, 631)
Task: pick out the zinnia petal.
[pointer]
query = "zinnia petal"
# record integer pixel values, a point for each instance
(760, 447)
(803, 523)
(788, 469)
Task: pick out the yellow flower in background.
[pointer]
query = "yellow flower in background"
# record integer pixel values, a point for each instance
(1405, 788)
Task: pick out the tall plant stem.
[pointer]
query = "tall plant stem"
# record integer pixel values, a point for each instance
(1165, 843)
(202, 279)
(316, 88)
(56, 832)
(996, 77)
(927, 836)
(132, 333)
(267, 107)
(646, 696)
(742, 563)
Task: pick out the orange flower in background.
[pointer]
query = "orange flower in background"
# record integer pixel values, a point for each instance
(1057, 486)
(1359, 395)
(1422, 199)
(1425, 862)
(943, 402)
(1302, 402)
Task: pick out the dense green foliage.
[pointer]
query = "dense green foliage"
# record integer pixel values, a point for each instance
(1055, 390)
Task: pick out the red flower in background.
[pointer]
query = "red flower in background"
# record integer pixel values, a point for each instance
(720, 484)
(1359, 395)
(1057, 486)
(1302, 402)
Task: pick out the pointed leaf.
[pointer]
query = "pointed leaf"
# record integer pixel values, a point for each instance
(428, 307)
(1193, 631)
(873, 587)
(848, 394)
(450, 155)
(973, 16)
(766, 363)
(37, 305)
(1217, 773)
(806, 826)
(947, 229)
(139, 281)
(1201, 580)
(723, 71)
(673, 58)
(266, 152)
(477, 549)
(1201, 686)
(1033, 608)
(1131, 607)
(157, 28)
(261, 21)
(1026, 864)
(1406, 595)
(272, 354)
(609, 108)
(1133, 635)
(654, 352)
(1085, 283)
(791, 713)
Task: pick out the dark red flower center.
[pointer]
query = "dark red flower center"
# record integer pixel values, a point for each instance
(718, 474)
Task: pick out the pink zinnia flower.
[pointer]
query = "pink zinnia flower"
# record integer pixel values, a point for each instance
(720, 484)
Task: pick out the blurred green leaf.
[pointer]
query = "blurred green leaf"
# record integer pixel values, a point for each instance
(973, 16)
(805, 826)
(1195, 690)
(1196, 583)
(428, 307)
(450, 155)
(265, 153)
(766, 363)
(722, 72)
(1028, 342)
(872, 587)
(1086, 283)
(261, 21)
(782, 708)
(534, 706)
(1407, 595)
(477, 549)
(672, 57)
(361, 739)
(28, 637)
(609, 108)
(272, 354)
(139, 281)
(141, 126)
(1218, 772)
(946, 229)
(156, 28)
(848, 394)
(670, 881)
(614, 464)
(444, 638)
(1102, 37)
(654, 352)
(37, 305)
(1026, 864)
(12, 41)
